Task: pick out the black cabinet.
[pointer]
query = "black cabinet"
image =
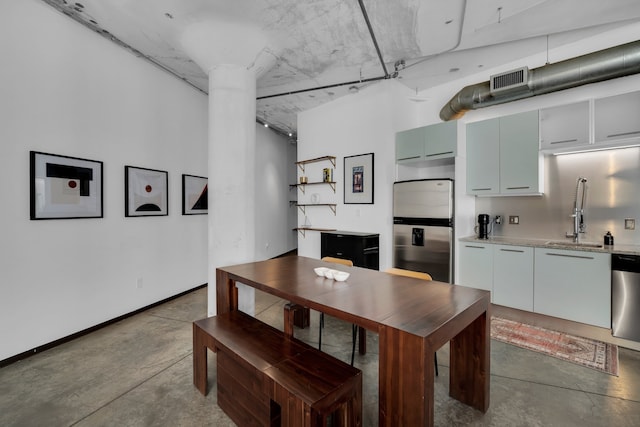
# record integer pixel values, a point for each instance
(361, 248)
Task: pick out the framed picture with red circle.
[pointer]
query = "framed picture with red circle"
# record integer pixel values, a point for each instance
(146, 192)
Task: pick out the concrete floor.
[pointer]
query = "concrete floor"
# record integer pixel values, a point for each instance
(138, 372)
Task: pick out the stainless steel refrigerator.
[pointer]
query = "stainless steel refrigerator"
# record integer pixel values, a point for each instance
(423, 227)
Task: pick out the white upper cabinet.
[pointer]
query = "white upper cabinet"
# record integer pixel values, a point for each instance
(483, 158)
(503, 156)
(433, 142)
(617, 119)
(520, 160)
(565, 127)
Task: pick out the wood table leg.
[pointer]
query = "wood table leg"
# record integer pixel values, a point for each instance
(405, 379)
(470, 364)
(362, 340)
(226, 293)
(289, 315)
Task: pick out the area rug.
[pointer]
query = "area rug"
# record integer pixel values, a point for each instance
(582, 351)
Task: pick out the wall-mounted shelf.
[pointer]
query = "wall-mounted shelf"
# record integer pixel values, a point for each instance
(303, 230)
(331, 206)
(332, 184)
(331, 159)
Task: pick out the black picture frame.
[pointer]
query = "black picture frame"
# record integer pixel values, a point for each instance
(146, 192)
(195, 195)
(64, 187)
(359, 179)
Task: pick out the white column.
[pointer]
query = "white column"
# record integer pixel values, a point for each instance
(234, 54)
(232, 139)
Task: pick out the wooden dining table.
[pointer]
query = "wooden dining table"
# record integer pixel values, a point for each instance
(412, 317)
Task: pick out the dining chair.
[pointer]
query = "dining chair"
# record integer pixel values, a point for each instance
(354, 328)
(417, 275)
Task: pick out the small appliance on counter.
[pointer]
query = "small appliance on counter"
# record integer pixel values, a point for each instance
(608, 239)
(483, 226)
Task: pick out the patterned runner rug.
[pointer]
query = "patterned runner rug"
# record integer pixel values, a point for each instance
(582, 351)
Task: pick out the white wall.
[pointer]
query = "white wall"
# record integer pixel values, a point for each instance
(361, 123)
(66, 90)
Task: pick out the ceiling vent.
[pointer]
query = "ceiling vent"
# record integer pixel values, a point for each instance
(509, 80)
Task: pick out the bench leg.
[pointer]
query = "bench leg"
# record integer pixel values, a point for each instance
(199, 360)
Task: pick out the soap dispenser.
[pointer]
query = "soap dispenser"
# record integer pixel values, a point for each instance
(608, 239)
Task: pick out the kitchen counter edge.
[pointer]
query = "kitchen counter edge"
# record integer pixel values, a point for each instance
(544, 243)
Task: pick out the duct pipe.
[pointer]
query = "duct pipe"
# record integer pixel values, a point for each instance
(619, 61)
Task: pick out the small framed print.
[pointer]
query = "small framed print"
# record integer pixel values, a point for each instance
(146, 192)
(358, 179)
(64, 187)
(195, 195)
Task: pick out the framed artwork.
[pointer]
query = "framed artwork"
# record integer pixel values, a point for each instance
(358, 179)
(64, 187)
(195, 195)
(146, 192)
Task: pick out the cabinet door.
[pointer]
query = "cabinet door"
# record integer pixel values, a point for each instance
(476, 266)
(520, 159)
(564, 126)
(483, 158)
(441, 140)
(616, 117)
(513, 276)
(573, 285)
(410, 145)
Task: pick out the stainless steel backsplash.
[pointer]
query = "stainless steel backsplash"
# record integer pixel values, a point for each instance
(613, 194)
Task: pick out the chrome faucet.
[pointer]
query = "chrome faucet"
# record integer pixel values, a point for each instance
(578, 211)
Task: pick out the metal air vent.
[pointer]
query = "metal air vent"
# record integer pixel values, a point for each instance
(509, 80)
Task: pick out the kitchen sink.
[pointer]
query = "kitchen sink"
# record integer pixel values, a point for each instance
(575, 244)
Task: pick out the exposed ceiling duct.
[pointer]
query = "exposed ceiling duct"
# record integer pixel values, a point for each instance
(598, 66)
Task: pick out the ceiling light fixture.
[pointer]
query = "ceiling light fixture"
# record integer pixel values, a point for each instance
(354, 89)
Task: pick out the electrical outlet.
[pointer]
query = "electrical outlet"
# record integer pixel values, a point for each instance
(514, 219)
(498, 219)
(629, 224)
(139, 283)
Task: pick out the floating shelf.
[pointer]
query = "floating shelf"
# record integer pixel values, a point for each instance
(331, 206)
(331, 159)
(332, 184)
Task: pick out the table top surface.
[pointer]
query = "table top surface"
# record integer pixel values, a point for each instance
(369, 298)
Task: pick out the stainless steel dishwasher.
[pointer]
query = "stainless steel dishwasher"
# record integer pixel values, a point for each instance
(625, 296)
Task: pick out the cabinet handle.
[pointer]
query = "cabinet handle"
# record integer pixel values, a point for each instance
(409, 158)
(439, 154)
(635, 132)
(372, 249)
(481, 189)
(518, 188)
(564, 141)
(569, 256)
(474, 247)
(512, 250)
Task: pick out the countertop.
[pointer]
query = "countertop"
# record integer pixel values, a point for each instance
(547, 243)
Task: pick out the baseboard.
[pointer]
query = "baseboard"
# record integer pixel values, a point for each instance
(71, 337)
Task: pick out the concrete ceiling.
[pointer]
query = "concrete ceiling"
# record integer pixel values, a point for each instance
(319, 50)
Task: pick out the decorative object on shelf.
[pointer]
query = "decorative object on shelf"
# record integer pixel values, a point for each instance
(146, 192)
(304, 180)
(358, 179)
(64, 187)
(195, 195)
(327, 175)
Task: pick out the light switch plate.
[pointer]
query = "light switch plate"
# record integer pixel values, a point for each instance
(514, 219)
(629, 224)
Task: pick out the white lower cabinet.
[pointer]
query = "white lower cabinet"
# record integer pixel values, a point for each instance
(513, 276)
(476, 265)
(573, 285)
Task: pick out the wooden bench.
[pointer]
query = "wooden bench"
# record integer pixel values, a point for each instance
(267, 378)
